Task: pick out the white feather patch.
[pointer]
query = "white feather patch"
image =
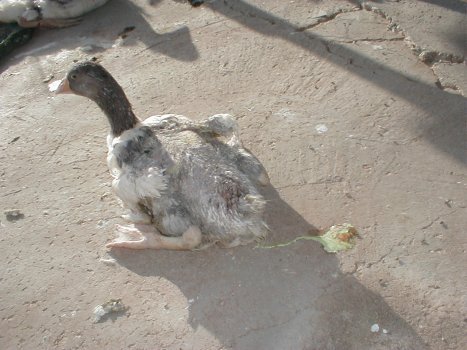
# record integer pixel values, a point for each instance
(150, 185)
(131, 188)
(72, 9)
(11, 10)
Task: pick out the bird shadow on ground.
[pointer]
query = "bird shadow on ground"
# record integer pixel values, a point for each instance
(282, 298)
(444, 126)
(118, 22)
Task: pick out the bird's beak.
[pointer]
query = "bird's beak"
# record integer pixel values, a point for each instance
(64, 87)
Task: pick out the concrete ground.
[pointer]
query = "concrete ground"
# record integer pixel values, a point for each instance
(357, 110)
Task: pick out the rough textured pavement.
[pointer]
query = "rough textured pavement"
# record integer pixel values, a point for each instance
(357, 110)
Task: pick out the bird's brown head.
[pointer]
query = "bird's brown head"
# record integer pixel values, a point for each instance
(87, 79)
(93, 81)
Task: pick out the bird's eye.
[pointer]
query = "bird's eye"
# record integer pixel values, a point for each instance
(73, 76)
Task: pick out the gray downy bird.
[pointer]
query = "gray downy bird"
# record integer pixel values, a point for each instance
(185, 184)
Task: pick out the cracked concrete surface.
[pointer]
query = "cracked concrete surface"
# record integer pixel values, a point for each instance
(452, 77)
(352, 125)
(435, 28)
(435, 31)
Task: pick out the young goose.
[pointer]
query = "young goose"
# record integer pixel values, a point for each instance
(186, 184)
(46, 13)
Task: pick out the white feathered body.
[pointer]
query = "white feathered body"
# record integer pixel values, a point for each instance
(172, 174)
(12, 10)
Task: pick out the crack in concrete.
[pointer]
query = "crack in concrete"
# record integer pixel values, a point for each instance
(265, 327)
(431, 57)
(370, 264)
(442, 86)
(377, 40)
(438, 218)
(427, 56)
(326, 18)
(331, 180)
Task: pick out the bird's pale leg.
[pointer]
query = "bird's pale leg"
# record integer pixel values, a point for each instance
(147, 237)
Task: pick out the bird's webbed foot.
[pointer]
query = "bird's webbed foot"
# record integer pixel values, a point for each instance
(147, 237)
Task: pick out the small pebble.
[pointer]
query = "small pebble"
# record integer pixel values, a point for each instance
(14, 140)
(111, 306)
(102, 223)
(49, 78)
(13, 215)
(385, 331)
(321, 128)
(375, 328)
(109, 262)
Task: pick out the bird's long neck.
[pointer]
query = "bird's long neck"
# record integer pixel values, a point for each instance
(117, 108)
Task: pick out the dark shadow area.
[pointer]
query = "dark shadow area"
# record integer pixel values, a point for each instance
(283, 298)
(453, 5)
(103, 28)
(194, 3)
(445, 127)
(456, 37)
(12, 36)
